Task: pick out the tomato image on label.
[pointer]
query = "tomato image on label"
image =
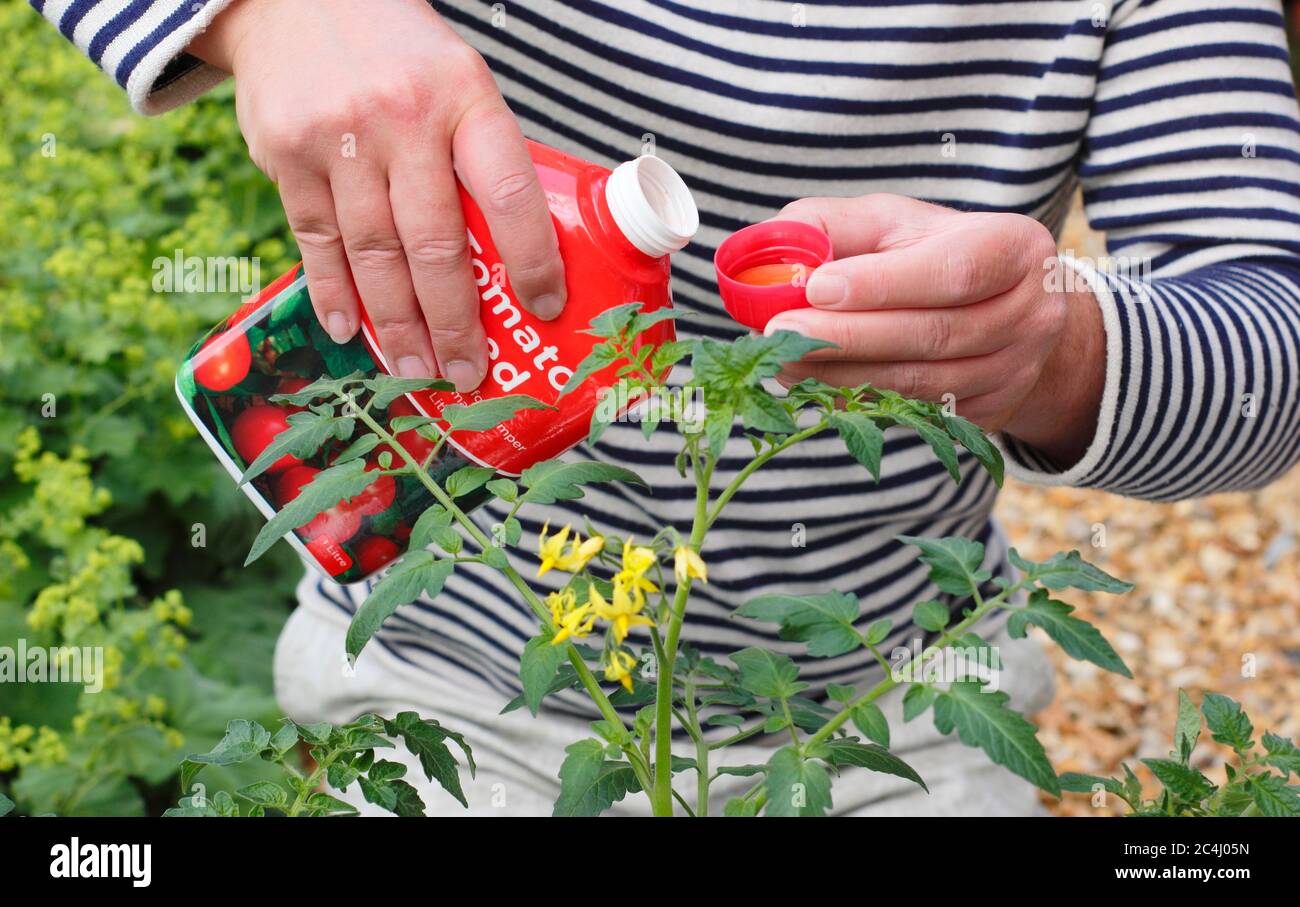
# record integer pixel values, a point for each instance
(223, 361)
(374, 552)
(255, 428)
(377, 496)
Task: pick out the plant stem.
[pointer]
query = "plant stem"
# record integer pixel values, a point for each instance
(757, 462)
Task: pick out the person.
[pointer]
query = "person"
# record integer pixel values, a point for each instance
(939, 144)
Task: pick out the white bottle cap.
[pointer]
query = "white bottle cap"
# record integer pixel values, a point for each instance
(652, 206)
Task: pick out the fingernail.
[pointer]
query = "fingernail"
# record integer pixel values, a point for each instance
(413, 367)
(826, 289)
(463, 373)
(339, 327)
(548, 307)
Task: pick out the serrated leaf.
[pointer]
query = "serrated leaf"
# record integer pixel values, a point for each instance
(1227, 722)
(1188, 727)
(917, 699)
(537, 668)
(837, 692)
(796, 786)
(552, 480)
(1077, 637)
(488, 414)
(432, 528)
(760, 411)
(1182, 781)
(388, 388)
(358, 448)
(849, 751)
(1272, 796)
(870, 720)
(467, 479)
(420, 572)
(426, 739)
(328, 805)
(878, 630)
(589, 782)
(931, 615)
(863, 438)
(602, 356)
(767, 674)
(938, 440)
(306, 434)
(717, 428)
(1068, 570)
(504, 489)
(981, 718)
(328, 488)
(971, 438)
(1282, 754)
(611, 323)
(746, 362)
(823, 621)
(954, 563)
(243, 740)
(265, 793)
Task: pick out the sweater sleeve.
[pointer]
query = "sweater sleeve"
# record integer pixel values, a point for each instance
(1191, 167)
(141, 44)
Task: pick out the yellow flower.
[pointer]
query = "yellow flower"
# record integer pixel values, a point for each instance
(636, 561)
(688, 563)
(570, 620)
(623, 614)
(553, 556)
(618, 667)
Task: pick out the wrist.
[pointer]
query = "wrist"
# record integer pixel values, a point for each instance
(1059, 417)
(218, 45)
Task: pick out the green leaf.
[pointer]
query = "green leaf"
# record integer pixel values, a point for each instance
(870, 720)
(325, 388)
(537, 668)
(467, 479)
(487, 414)
(1182, 781)
(6, 805)
(611, 323)
(306, 434)
(328, 488)
(285, 738)
(863, 438)
(1069, 571)
(767, 674)
(591, 783)
(1272, 796)
(725, 367)
(420, 572)
(954, 563)
(1078, 638)
(1227, 722)
(504, 489)
(1282, 754)
(878, 630)
(392, 794)
(971, 438)
(551, 480)
(824, 621)
(426, 739)
(796, 786)
(931, 615)
(1188, 727)
(602, 356)
(1078, 783)
(329, 805)
(642, 321)
(917, 699)
(388, 388)
(717, 428)
(849, 751)
(434, 528)
(760, 411)
(982, 718)
(265, 793)
(244, 740)
(566, 678)
(938, 440)
(742, 771)
(839, 692)
(738, 808)
(358, 448)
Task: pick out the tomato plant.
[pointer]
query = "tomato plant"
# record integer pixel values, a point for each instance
(254, 430)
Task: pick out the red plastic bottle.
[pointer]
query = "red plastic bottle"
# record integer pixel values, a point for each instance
(616, 230)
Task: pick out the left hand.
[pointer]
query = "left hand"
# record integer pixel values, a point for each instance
(931, 302)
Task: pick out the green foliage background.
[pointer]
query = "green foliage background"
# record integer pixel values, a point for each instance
(99, 499)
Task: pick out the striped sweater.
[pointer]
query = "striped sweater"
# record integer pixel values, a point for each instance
(1176, 117)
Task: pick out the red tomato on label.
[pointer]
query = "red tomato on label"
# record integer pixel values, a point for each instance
(292, 481)
(339, 523)
(373, 552)
(255, 428)
(377, 496)
(222, 361)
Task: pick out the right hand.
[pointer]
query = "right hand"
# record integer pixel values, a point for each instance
(417, 108)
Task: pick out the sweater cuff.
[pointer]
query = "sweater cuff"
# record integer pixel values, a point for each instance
(166, 77)
(1028, 464)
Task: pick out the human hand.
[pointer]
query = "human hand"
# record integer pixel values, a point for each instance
(932, 302)
(417, 108)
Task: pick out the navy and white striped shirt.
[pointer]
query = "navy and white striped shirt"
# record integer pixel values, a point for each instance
(1177, 117)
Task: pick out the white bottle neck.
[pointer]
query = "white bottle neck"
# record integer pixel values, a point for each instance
(652, 206)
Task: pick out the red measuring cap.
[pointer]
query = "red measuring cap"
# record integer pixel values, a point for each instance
(763, 269)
